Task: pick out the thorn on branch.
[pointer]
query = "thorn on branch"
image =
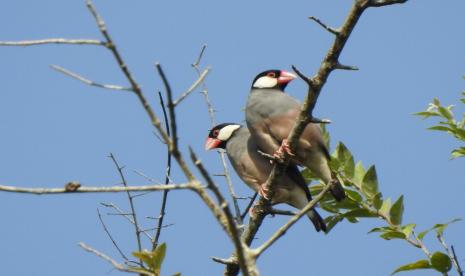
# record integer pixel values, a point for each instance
(326, 27)
(380, 3)
(302, 76)
(320, 121)
(345, 67)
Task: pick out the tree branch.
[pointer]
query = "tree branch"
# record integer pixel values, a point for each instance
(114, 263)
(87, 81)
(110, 189)
(161, 216)
(131, 202)
(53, 41)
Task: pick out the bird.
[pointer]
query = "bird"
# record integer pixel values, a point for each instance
(254, 169)
(270, 117)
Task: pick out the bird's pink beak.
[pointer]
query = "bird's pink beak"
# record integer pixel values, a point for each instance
(285, 77)
(212, 143)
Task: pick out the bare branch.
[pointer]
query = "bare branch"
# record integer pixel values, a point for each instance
(211, 114)
(459, 269)
(380, 3)
(345, 67)
(172, 114)
(161, 216)
(199, 81)
(281, 231)
(87, 81)
(249, 206)
(53, 41)
(110, 189)
(120, 212)
(241, 249)
(131, 202)
(199, 58)
(326, 27)
(110, 236)
(114, 263)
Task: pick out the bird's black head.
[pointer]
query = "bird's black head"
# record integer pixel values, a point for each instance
(219, 135)
(277, 79)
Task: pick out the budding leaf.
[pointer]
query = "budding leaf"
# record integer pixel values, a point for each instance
(421, 264)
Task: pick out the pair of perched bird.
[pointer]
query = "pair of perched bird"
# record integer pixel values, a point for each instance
(270, 116)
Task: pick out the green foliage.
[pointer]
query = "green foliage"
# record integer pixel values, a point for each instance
(441, 262)
(421, 264)
(447, 123)
(152, 261)
(364, 200)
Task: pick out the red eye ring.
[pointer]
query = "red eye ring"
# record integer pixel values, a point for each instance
(216, 132)
(271, 74)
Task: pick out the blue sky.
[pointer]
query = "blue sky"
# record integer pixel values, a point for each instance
(55, 129)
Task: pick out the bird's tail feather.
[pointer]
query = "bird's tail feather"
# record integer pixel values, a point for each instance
(317, 220)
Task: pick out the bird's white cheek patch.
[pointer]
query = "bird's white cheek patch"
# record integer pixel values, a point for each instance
(226, 132)
(265, 82)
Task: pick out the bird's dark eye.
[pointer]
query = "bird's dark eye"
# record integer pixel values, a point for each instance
(216, 132)
(271, 75)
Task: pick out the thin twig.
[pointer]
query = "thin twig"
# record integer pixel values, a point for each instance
(281, 231)
(199, 80)
(450, 253)
(161, 216)
(241, 249)
(246, 211)
(131, 202)
(127, 216)
(326, 27)
(87, 81)
(459, 269)
(110, 236)
(52, 41)
(211, 114)
(114, 263)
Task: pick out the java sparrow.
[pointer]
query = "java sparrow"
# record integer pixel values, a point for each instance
(254, 169)
(270, 116)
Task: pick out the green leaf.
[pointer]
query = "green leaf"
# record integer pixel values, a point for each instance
(445, 112)
(426, 114)
(389, 235)
(422, 234)
(421, 264)
(152, 259)
(359, 173)
(397, 210)
(407, 229)
(177, 274)
(380, 229)
(370, 183)
(386, 206)
(459, 152)
(359, 213)
(441, 262)
(331, 221)
(308, 175)
(442, 226)
(355, 196)
(440, 128)
(158, 256)
(346, 160)
(378, 201)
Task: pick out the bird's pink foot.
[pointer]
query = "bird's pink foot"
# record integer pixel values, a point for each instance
(284, 148)
(263, 191)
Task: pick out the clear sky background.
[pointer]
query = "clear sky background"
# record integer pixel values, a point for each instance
(55, 129)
